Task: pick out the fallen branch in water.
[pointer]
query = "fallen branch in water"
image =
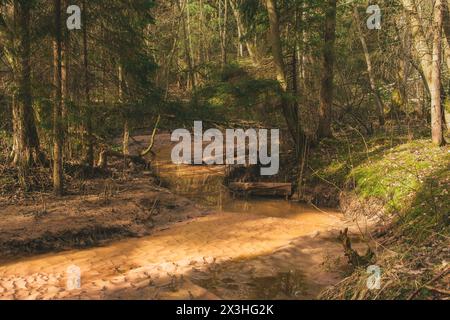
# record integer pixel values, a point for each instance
(262, 188)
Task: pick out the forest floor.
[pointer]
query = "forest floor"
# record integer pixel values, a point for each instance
(108, 209)
(175, 249)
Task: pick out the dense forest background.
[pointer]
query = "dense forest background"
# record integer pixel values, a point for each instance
(310, 67)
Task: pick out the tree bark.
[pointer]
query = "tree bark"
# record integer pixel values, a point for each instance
(89, 140)
(252, 50)
(290, 110)
(26, 141)
(223, 30)
(435, 89)
(275, 40)
(187, 47)
(430, 61)
(326, 91)
(446, 24)
(126, 129)
(422, 48)
(57, 103)
(373, 85)
(65, 62)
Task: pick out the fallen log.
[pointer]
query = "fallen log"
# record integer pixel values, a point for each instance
(262, 188)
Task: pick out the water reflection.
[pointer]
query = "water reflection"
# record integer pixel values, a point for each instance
(204, 184)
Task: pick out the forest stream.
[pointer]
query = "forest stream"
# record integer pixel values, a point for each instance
(311, 151)
(240, 249)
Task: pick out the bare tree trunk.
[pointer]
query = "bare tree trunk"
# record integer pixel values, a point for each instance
(57, 103)
(446, 25)
(126, 130)
(27, 149)
(89, 156)
(168, 62)
(403, 73)
(65, 49)
(435, 89)
(190, 48)
(187, 49)
(252, 50)
(326, 91)
(422, 48)
(223, 30)
(290, 110)
(65, 62)
(373, 85)
(239, 46)
(126, 138)
(275, 40)
(202, 54)
(430, 60)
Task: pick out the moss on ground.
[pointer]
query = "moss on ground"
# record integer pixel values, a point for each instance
(412, 180)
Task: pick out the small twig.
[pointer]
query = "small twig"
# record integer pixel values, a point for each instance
(440, 275)
(321, 178)
(438, 290)
(364, 140)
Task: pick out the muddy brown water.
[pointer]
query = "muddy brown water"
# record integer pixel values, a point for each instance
(204, 185)
(242, 249)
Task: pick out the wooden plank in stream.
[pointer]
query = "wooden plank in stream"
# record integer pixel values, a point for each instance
(262, 188)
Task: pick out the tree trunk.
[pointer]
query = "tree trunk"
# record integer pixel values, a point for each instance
(26, 149)
(326, 91)
(57, 103)
(446, 24)
(187, 48)
(65, 62)
(89, 148)
(423, 51)
(126, 130)
(435, 89)
(126, 139)
(189, 39)
(223, 30)
(290, 110)
(252, 50)
(373, 86)
(430, 61)
(239, 46)
(275, 41)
